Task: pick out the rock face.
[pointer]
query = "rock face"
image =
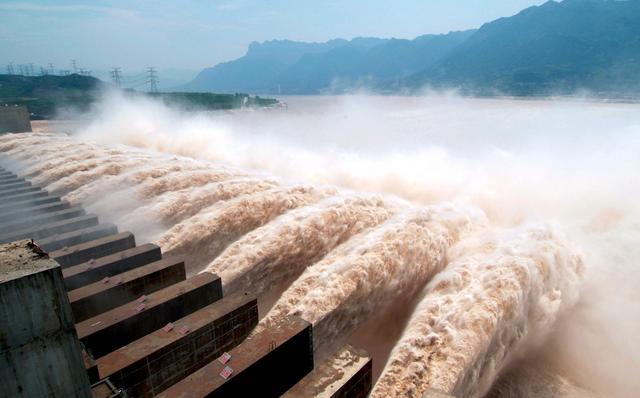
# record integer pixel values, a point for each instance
(555, 48)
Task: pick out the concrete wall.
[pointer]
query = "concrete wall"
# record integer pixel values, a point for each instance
(266, 364)
(14, 119)
(160, 359)
(40, 351)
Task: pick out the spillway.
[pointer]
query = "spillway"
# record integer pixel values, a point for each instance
(333, 258)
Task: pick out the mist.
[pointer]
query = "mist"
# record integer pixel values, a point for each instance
(566, 165)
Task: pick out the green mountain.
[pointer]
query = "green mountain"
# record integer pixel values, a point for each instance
(368, 65)
(312, 68)
(258, 69)
(556, 48)
(46, 96)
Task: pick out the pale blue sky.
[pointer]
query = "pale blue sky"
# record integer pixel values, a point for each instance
(192, 34)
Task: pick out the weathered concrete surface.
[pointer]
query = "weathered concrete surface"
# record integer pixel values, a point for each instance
(4, 207)
(9, 180)
(72, 238)
(25, 196)
(56, 227)
(14, 185)
(40, 355)
(41, 219)
(160, 359)
(19, 191)
(111, 292)
(8, 176)
(266, 364)
(83, 252)
(14, 119)
(120, 326)
(97, 269)
(346, 374)
(17, 214)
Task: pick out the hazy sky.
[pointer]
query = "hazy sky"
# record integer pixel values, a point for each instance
(192, 34)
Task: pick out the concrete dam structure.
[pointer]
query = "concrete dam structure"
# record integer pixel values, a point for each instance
(14, 119)
(176, 277)
(130, 323)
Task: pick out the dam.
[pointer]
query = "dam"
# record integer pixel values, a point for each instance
(134, 324)
(182, 277)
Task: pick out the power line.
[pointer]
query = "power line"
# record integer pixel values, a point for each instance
(116, 77)
(152, 79)
(24, 70)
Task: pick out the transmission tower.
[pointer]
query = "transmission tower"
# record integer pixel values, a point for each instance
(51, 70)
(10, 70)
(74, 66)
(43, 71)
(31, 70)
(152, 79)
(116, 76)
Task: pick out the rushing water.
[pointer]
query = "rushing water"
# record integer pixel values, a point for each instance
(472, 246)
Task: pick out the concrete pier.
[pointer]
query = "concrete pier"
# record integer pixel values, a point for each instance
(14, 119)
(91, 368)
(111, 292)
(56, 227)
(40, 219)
(5, 207)
(266, 364)
(40, 351)
(140, 328)
(74, 255)
(120, 326)
(17, 214)
(24, 196)
(107, 266)
(14, 185)
(9, 175)
(9, 178)
(19, 191)
(158, 360)
(72, 238)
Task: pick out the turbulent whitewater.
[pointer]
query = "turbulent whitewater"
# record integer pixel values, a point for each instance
(484, 284)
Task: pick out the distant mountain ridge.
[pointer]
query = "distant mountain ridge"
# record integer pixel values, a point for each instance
(283, 66)
(554, 48)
